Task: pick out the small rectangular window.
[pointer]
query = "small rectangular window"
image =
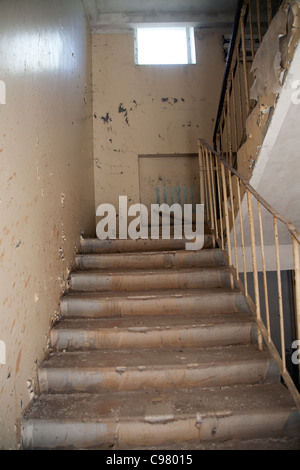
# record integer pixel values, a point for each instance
(174, 45)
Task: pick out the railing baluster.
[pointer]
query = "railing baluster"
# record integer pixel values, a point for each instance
(251, 28)
(242, 236)
(279, 294)
(229, 128)
(223, 136)
(240, 91)
(226, 124)
(254, 265)
(211, 217)
(227, 225)
(270, 14)
(213, 195)
(234, 112)
(220, 203)
(205, 186)
(233, 225)
(258, 21)
(264, 271)
(297, 289)
(201, 167)
(242, 24)
(297, 282)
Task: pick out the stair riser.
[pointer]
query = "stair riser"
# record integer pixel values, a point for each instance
(44, 434)
(97, 282)
(179, 259)
(202, 303)
(65, 380)
(73, 340)
(94, 245)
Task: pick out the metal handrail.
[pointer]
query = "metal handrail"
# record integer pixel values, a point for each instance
(228, 65)
(220, 183)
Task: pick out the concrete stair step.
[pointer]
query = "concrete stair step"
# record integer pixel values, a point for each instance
(95, 245)
(152, 260)
(127, 420)
(145, 279)
(124, 370)
(143, 332)
(159, 302)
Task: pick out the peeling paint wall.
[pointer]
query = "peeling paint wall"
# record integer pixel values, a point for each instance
(148, 109)
(46, 183)
(269, 71)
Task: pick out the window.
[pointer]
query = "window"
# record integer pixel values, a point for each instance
(174, 45)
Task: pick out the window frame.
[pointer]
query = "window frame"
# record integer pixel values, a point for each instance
(190, 44)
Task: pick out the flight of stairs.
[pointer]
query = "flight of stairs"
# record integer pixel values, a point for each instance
(154, 349)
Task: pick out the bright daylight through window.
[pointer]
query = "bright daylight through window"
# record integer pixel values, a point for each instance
(174, 45)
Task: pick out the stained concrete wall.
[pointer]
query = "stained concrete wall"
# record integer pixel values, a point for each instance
(46, 182)
(148, 109)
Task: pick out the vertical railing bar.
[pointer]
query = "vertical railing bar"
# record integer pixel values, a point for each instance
(233, 225)
(208, 188)
(210, 171)
(200, 153)
(242, 24)
(240, 93)
(297, 289)
(229, 128)
(269, 12)
(210, 197)
(242, 237)
(226, 156)
(258, 21)
(251, 28)
(234, 113)
(213, 194)
(227, 139)
(264, 271)
(227, 226)
(205, 186)
(279, 294)
(254, 265)
(223, 128)
(220, 203)
(204, 182)
(219, 141)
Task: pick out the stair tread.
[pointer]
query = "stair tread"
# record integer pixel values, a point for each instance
(152, 293)
(147, 253)
(179, 258)
(111, 241)
(150, 323)
(89, 245)
(142, 271)
(132, 405)
(155, 358)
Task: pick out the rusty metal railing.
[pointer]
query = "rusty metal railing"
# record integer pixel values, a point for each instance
(252, 20)
(229, 202)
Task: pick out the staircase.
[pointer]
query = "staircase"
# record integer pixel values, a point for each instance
(155, 349)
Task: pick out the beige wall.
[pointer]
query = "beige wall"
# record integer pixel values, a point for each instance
(148, 109)
(46, 181)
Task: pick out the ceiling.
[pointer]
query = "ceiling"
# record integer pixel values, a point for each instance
(123, 15)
